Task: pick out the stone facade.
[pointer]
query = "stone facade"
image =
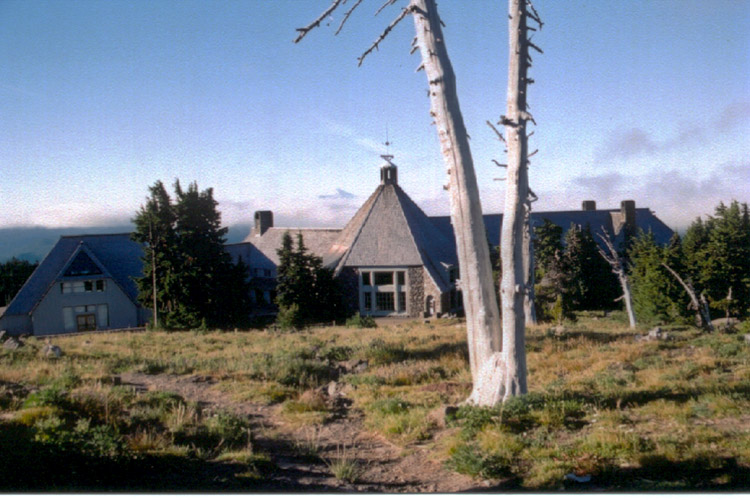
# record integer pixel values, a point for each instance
(416, 304)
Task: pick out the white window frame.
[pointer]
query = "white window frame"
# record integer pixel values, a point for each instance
(396, 288)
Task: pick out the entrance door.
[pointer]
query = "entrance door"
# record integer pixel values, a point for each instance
(86, 322)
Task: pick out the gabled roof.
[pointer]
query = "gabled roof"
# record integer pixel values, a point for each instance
(391, 230)
(116, 255)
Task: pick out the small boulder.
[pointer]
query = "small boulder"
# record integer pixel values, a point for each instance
(747, 338)
(51, 351)
(353, 365)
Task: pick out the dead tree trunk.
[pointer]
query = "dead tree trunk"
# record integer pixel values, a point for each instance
(698, 304)
(614, 260)
(513, 283)
(480, 300)
(480, 305)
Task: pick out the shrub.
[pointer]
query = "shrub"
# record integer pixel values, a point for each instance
(390, 406)
(358, 321)
(290, 318)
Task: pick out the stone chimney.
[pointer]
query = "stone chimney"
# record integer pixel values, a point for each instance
(588, 205)
(263, 221)
(627, 215)
(389, 171)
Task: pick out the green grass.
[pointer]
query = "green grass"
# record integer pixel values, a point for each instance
(644, 416)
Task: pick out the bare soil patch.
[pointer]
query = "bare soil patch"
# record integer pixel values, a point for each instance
(384, 467)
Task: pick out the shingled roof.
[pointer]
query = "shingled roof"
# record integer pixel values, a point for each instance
(116, 256)
(317, 241)
(610, 219)
(391, 230)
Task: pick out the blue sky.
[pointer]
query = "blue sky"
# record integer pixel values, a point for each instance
(643, 100)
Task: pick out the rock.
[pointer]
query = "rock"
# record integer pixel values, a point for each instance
(353, 365)
(12, 343)
(559, 330)
(51, 351)
(747, 338)
(658, 334)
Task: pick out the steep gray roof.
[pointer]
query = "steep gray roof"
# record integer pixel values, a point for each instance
(117, 256)
(391, 230)
(317, 241)
(596, 219)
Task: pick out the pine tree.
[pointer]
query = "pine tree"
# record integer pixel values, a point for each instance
(547, 242)
(657, 297)
(306, 292)
(592, 284)
(154, 227)
(13, 274)
(197, 284)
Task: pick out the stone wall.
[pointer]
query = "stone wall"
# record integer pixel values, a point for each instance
(415, 305)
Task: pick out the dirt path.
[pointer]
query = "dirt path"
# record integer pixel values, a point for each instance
(385, 467)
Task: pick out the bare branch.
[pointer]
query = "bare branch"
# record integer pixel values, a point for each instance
(346, 16)
(384, 34)
(501, 165)
(533, 14)
(497, 132)
(500, 179)
(532, 154)
(386, 4)
(304, 31)
(532, 197)
(535, 47)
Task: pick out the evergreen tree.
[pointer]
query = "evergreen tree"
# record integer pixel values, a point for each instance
(657, 297)
(306, 292)
(197, 283)
(13, 275)
(547, 243)
(592, 284)
(728, 259)
(154, 227)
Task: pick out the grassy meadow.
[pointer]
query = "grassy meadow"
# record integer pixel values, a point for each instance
(616, 413)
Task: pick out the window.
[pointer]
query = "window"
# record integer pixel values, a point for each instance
(384, 301)
(83, 286)
(384, 278)
(85, 318)
(383, 291)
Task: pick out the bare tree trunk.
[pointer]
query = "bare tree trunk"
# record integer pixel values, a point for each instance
(480, 304)
(702, 313)
(618, 269)
(513, 282)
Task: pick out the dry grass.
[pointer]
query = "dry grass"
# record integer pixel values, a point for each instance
(600, 402)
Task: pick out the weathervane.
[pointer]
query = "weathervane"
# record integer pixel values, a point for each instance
(387, 156)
